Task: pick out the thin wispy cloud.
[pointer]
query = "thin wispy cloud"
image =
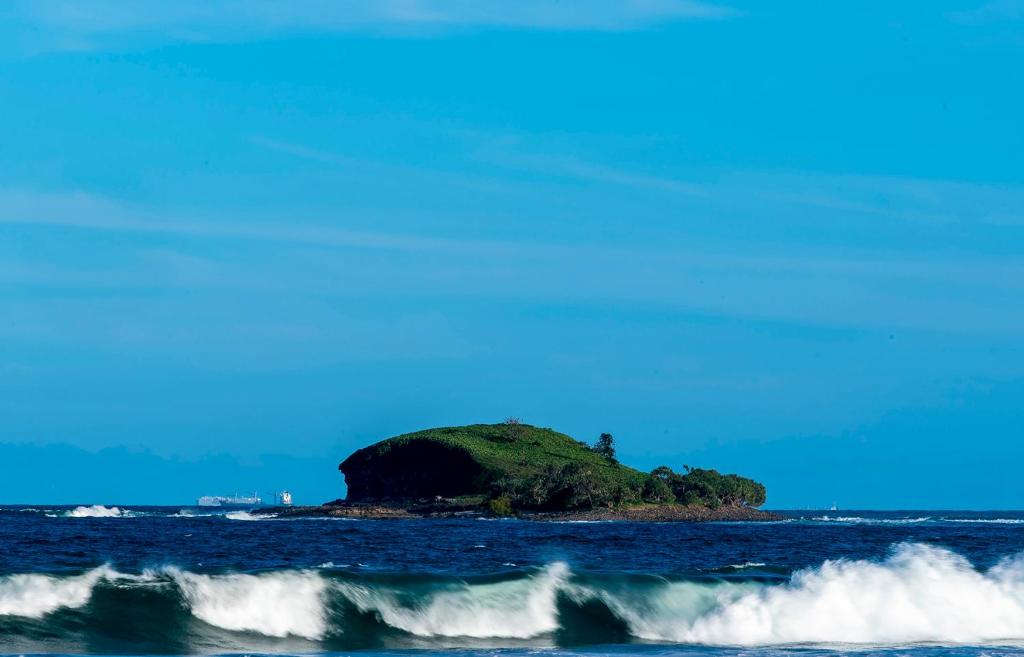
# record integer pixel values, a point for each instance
(307, 153)
(992, 12)
(63, 24)
(578, 169)
(916, 200)
(908, 199)
(818, 286)
(340, 161)
(89, 212)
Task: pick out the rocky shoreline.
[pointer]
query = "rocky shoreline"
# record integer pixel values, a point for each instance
(636, 513)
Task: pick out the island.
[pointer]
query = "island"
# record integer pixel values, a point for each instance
(515, 469)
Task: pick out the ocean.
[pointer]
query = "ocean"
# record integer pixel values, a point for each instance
(173, 580)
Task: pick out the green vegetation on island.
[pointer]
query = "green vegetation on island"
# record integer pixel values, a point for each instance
(510, 467)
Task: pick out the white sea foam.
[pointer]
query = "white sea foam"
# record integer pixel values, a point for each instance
(34, 596)
(98, 511)
(858, 520)
(240, 515)
(275, 604)
(517, 609)
(245, 515)
(919, 594)
(987, 521)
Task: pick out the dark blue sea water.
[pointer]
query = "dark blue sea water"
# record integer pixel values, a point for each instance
(148, 580)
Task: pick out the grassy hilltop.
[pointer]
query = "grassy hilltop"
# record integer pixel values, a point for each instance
(513, 466)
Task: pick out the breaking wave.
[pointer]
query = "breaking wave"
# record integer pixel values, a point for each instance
(97, 511)
(987, 521)
(274, 604)
(515, 609)
(858, 520)
(917, 520)
(245, 515)
(918, 594)
(33, 595)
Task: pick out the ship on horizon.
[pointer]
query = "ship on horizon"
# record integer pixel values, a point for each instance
(231, 501)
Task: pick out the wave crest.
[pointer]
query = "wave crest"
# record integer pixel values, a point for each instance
(515, 609)
(98, 511)
(246, 515)
(287, 603)
(32, 595)
(918, 594)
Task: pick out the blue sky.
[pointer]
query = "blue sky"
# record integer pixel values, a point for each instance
(240, 240)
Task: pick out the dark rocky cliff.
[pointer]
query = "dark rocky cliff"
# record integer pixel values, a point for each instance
(413, 470)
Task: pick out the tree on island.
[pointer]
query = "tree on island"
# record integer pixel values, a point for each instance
(708, 487)
(605, 446)
(513, 429)
(657, 489)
